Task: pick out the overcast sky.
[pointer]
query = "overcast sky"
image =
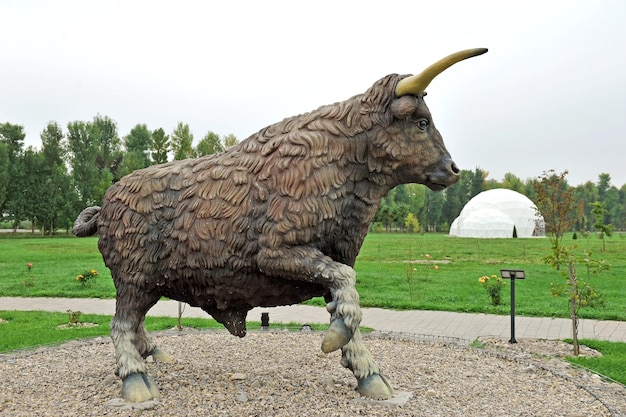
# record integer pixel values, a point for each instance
(550, 94)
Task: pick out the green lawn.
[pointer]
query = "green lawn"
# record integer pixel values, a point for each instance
(27, 329)
(382, 268)
(612, 363)
(382, 274)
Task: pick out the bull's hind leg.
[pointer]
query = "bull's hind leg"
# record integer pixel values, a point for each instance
(132, 344)
(357, 358)
(308, 264)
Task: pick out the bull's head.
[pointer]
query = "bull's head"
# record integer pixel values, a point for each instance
(424, 158)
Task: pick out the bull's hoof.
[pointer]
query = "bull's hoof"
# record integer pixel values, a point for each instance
(376, 387)
(138, 388)
(337, 336)
(159, 355)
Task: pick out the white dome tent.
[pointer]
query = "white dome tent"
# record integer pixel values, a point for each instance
(496, 213)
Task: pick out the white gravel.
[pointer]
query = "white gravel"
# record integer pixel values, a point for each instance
(285, 374)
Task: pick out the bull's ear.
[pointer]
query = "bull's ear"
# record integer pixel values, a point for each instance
(403, 107)
(416, 84)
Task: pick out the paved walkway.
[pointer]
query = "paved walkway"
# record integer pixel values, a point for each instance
(436, 323)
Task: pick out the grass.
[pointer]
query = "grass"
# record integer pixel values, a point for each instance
(381, 267)
(56, 263)
(28, 329)
(612, 363)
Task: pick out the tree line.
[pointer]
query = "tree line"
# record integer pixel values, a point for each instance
(74, 167)
(415, 207)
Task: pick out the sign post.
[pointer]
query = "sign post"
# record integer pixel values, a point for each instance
(512, 274)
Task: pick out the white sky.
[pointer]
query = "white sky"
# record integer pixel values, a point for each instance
(550, 94)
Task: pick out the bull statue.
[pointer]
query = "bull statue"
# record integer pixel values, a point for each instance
(275, 220)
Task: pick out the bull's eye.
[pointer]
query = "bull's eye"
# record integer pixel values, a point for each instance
(422, 124)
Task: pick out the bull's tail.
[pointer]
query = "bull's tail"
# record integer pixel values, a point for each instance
(86, 223)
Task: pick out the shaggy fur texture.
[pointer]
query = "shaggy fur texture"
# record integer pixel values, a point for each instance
(274, 220)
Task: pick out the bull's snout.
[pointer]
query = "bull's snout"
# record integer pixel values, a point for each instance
(445, 175)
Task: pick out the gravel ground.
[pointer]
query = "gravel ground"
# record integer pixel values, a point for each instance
(285, 374)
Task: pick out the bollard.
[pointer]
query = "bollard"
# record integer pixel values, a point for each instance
(265, 321)
(512, 274)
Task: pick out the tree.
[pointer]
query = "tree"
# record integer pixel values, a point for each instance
(139, 140)
(230, 140)
(182, 140)
(399, 213)
(614, 207)
(12, 137)
(82, 155)
(130, 162)
(478, 182)
(383, 215)
(53, 148)
(599, 211)
(411, 223)
(457, 196)
(57, 190)
(160, 146)
(604, 183)
(103, 134)
(587, 193)
(137, 144)
(209, 145)
(34, 196)
(431, 212)
(4, 175)
(556, 203)
(555, 200)
(512, 182)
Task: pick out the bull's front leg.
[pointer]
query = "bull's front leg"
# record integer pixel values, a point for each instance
(311, 265)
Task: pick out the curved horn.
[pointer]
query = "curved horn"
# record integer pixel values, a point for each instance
(416, 84)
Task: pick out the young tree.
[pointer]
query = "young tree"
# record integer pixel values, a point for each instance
(182, 140)
(160, 146)
(579, 291)
(209, 145)
(555, 201)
